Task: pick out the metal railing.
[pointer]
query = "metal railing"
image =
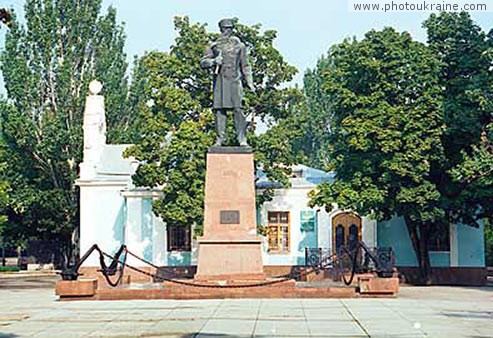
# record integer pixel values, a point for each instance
(348, 262)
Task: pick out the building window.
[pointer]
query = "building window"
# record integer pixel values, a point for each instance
(297, 174)
(278, 231)
(178, 238)
(439, 238)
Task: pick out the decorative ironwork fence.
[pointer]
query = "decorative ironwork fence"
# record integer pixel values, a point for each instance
(359, 259)
(314, 257)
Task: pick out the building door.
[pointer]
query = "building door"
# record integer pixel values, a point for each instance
(346, 231)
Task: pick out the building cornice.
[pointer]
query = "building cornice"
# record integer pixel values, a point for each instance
(142, 193)
(101, 183)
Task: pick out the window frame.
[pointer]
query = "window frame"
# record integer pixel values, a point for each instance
(171, 240)
(279, 225)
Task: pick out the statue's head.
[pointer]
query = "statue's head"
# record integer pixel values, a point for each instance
(226, 26)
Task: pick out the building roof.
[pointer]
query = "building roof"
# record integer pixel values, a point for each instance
(302, 176)
(113, 166)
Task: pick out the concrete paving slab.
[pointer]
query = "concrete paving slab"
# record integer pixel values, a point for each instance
(275, 313)
(284, 303)
(390, 327)
(321, 303)
(235, 313)
(330, 314)
(440, 312)
(449, 327)
(61, 334)
(138, 315)
(285, 328)
(484, 332)
(178, 327)
(117, 329)
(335, 328)
(219, 327)
(387, 335)
(188, 314)
(13, 331)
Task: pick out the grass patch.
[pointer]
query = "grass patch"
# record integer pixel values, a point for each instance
(9, 268)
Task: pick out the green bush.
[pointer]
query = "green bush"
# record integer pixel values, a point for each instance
(9, 268)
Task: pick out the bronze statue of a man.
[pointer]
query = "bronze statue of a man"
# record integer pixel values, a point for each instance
(228, 56)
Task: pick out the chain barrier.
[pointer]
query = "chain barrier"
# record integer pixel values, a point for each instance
(344, 257)
(336, 260)
(109, 271)
(295, 274)
(200, 285)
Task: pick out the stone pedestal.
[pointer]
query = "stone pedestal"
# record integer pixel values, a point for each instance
(76, 288)
(230, 248)
(369, 284)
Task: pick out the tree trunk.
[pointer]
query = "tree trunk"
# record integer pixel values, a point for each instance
(424, 263)
(420, 245)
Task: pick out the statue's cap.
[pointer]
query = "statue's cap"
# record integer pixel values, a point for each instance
(226, 23)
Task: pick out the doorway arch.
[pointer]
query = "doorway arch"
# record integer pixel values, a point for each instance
(346, 231)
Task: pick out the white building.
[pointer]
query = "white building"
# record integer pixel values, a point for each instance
(113, 211)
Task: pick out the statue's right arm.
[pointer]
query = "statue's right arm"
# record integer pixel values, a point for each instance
(207, 60)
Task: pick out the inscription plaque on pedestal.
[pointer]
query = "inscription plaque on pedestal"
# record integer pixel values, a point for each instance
(230, 217)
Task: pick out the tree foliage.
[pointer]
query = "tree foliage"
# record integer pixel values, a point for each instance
(173, 96)
(410, 127)
(385, 129)
(465, 177)
(47, 65)
(314, 143)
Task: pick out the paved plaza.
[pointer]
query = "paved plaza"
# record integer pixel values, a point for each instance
(30, 309)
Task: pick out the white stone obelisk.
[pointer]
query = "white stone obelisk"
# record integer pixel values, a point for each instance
(94, 131)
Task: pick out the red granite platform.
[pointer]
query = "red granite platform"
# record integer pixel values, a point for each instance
(217, 289)
(284, 289)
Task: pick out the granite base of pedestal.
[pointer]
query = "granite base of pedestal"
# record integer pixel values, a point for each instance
(230, 248)
(372, 285)
(233, 259)
(76, 288)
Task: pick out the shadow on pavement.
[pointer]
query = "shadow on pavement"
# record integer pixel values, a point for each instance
(28, 283)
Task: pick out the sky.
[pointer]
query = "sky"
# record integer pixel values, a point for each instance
(306, 29)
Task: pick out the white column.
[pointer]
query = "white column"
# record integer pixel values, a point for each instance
(102, 217)
(137, 240)
(454, 246)
(369, 231)
(159, 241)
(133, 229)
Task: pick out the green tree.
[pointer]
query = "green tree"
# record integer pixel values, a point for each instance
(432, 169)
(314, 143)
(173, 96)
(385, 128)
(465, 177)
(47, 66)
